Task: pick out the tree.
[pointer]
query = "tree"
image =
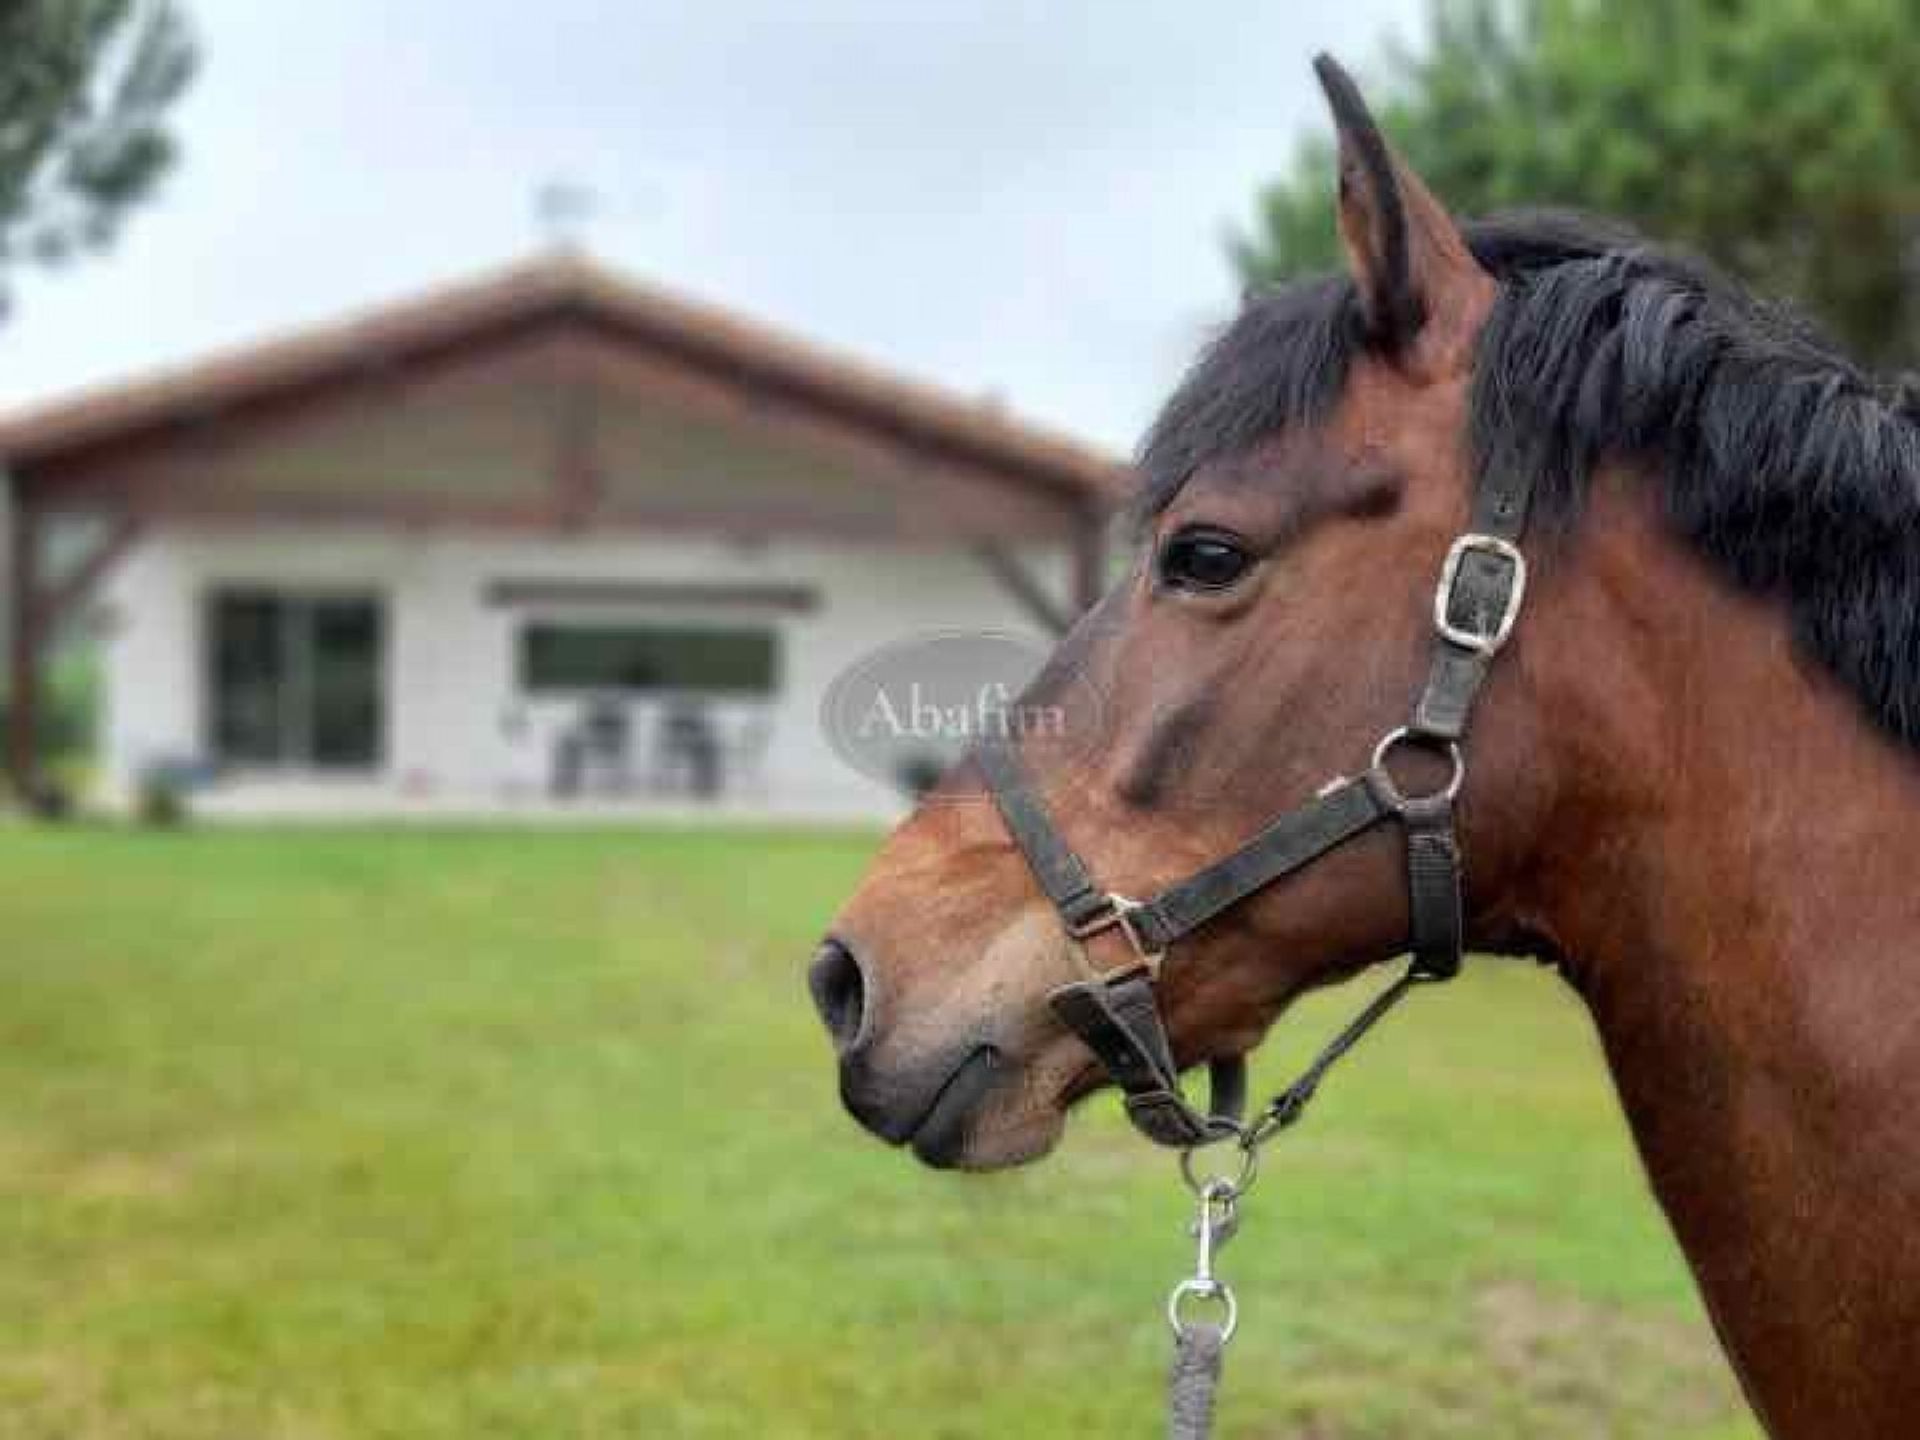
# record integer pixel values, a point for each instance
(85, 88)
(1781, 138)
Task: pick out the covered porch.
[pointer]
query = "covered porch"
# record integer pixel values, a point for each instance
(475, 498)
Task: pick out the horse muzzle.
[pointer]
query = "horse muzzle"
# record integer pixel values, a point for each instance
(929, 1105)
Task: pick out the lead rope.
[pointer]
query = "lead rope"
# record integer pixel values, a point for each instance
(1197, 1354)
(1199, 1344)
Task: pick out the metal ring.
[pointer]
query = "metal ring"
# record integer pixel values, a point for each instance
(1204, 1290)
(1238, 1184)
(1404, 735)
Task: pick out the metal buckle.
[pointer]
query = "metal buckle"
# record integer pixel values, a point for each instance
(1488, 643)
(1115, 916)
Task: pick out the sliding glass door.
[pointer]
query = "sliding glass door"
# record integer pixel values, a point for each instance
(296, 681)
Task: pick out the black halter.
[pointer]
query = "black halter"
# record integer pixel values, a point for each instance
(1475, 605)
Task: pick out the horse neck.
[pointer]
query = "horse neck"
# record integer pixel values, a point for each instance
(1731, 875)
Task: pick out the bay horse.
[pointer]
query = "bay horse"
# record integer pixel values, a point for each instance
(1690, 785)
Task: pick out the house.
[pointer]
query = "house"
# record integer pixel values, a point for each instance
(549, 538)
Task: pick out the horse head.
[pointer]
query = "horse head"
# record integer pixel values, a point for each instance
(1299, 494)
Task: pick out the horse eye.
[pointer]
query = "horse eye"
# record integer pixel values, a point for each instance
(1203, 561)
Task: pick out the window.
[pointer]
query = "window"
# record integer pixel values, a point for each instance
(576, 656)
(296, 681)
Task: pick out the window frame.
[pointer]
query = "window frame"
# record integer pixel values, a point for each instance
(527, 626)
(295, 700)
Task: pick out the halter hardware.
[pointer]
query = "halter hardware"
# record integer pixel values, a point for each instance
(1486, 640)
(1476, 602)
(1381, 777)
(1115, 912)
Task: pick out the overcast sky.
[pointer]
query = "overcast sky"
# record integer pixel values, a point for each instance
(1025, 198)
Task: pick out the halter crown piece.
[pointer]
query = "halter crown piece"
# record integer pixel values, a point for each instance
(1482, 582)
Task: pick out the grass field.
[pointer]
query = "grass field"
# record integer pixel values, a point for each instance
(498, 1134)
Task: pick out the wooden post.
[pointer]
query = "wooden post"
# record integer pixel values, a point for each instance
(26, 641)
(576, 483)
(1089, 561)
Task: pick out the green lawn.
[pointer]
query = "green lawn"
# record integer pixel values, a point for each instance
(475, 1134)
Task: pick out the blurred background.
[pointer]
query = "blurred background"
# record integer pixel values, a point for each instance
(451, 453)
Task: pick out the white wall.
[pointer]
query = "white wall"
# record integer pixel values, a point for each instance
(452, 661)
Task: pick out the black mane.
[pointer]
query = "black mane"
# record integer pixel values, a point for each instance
(1775, 456)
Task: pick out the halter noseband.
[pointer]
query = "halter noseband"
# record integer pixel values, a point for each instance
(1475, 604)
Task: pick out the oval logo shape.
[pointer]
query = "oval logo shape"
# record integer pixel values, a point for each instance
(905, 714)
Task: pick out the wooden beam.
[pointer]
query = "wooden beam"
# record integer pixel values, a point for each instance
(797, 599)
(579, 486)
(1089, 562)
(923, 527)
(349, 509)
(27, 640)
(1024, 587)
(61, 600)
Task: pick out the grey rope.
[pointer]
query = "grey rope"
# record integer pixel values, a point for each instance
(1195, 1376)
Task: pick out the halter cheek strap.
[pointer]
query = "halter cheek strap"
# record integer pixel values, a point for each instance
(1115, 1012)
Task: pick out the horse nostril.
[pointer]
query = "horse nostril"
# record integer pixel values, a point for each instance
(839, 993)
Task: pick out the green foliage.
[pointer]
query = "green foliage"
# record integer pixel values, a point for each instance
(160, 799)
(497, 1134)
(69, 705)
(1779, 137)
(85, 86)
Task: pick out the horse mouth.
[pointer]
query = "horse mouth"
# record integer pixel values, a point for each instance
(940, 1137)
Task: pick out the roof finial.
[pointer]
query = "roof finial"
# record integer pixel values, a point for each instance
(564, 209)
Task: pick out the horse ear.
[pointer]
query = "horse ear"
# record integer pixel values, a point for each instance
(1422, 292)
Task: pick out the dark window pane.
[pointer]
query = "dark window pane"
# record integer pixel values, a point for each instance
(344, 683)
(296, 680)
(627, 657)
(249, 678)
